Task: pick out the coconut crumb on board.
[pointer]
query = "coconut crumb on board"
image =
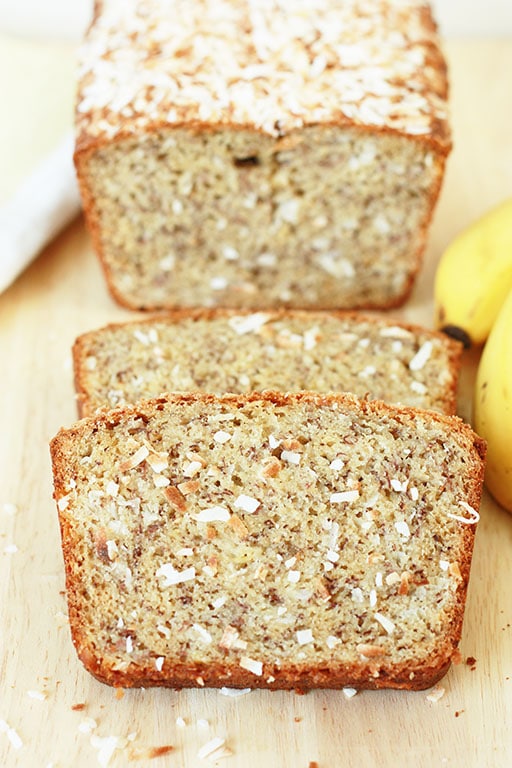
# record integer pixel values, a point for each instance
(214, 749)
(436, 693)
(12, 734)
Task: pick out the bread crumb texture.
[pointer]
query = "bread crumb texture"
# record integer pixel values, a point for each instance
(326, 543)
(218, 351)
(260, 154)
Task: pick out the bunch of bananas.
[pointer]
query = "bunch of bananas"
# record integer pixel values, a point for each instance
(473, 302)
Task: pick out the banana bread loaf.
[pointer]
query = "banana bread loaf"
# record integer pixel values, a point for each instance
(261, 154)
(280, 541)
(222, 351)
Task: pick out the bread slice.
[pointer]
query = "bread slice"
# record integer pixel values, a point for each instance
(292, 157)
(276, 541)
(221, 351)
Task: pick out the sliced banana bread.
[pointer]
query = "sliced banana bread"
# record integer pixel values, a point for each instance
(279, 541)
(220, 351)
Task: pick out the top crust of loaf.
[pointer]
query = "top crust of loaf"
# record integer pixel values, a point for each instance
(274, 66)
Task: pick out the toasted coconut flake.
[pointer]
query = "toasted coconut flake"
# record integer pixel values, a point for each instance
(238, 526)
(473, 518)
(248, 323)
(291, 457)
(63, 503)
(213, 514)
(222, 437)
(37, 695)
(273, 442)
(192, 468)
(304, 636)
(436, 693)
(385, 622)
(231, 639)
(405, 577)
(11, 734)
(344, 496)
(158, 461)
(87, 725)
(252, 665)
(399, 486)
(392, 578)
(421, 356)
(235, 693)
(9, 508)
(112, 488)
(176, 498)
(272, 467)
(106, 747)
(203, 633)
(210, 747)
(188, 486)
(171, 576)
(247, 503)
(138, 457)
(403, 529)
(370, 650)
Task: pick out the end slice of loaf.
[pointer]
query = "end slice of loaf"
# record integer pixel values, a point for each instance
(293, 157)
(221, 351)
(273, 541)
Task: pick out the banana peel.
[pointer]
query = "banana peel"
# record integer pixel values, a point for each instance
(474, 277)
(492, 411)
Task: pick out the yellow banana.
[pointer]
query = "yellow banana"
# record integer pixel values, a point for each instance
(493, 405)
(474, 276)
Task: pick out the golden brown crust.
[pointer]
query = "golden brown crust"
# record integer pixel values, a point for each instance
(408, 96)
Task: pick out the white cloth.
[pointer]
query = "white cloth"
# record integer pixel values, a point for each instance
(42, 206)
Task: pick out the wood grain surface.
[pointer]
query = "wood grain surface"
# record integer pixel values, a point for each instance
(52, 713)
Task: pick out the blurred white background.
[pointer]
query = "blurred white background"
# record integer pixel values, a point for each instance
(66, 19)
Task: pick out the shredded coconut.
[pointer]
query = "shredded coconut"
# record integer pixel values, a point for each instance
(247, 503)
(473, 518)
(421, 356)
(171, 576)
(344, 496)
(213, 514)
(256, 667)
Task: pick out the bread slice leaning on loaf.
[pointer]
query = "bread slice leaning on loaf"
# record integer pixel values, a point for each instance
(267, 541)
(221, 351)
(265, 154)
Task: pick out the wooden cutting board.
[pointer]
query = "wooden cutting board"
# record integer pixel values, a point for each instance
(52, 713)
